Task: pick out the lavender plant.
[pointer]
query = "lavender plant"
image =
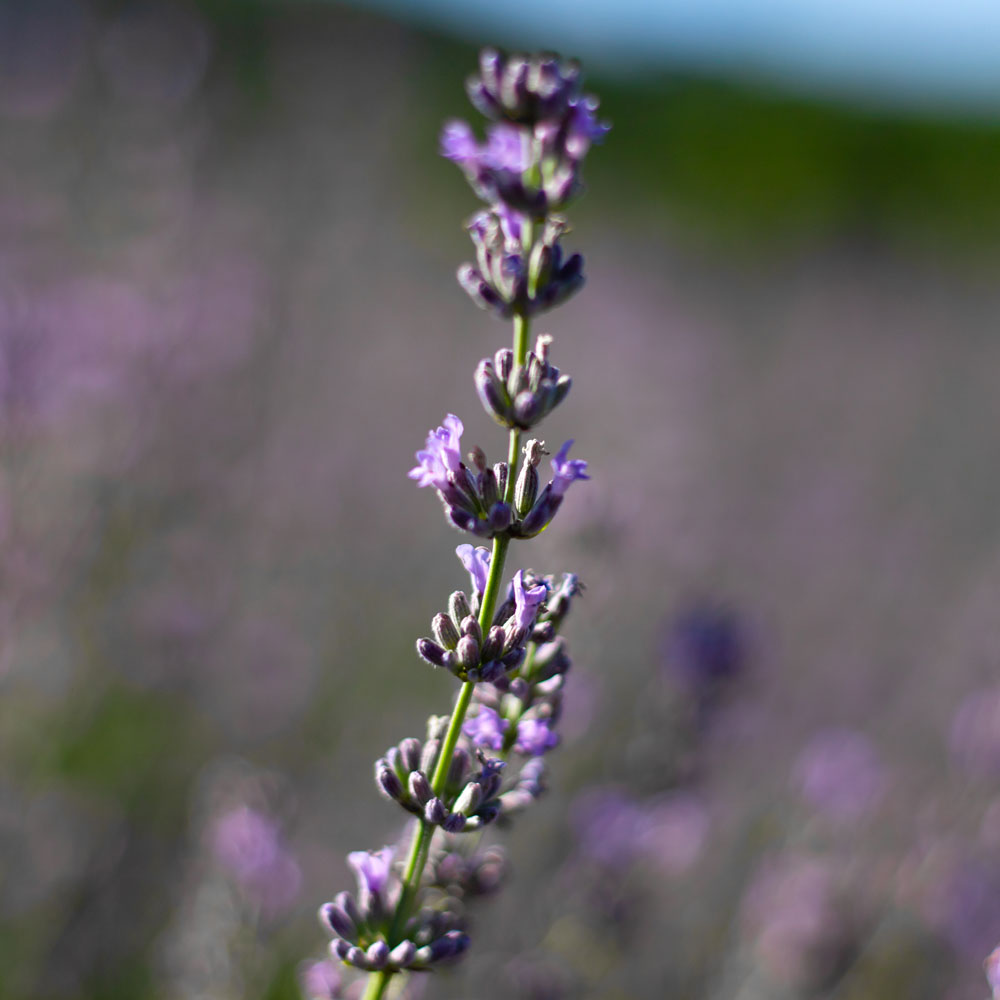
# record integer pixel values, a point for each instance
(485, 762)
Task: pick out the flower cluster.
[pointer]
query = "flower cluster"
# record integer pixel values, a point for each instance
(484, 763)
(482, 503)
(528, 168)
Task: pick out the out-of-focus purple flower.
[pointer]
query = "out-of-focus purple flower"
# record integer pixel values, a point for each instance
(321, 980)
(458, 142)
(527, 601)
(965, 904)
(840, 774)
(372, 868)
(606, 821)
(486, 728)
(534, 737)
(799, 930)
(477, 561)
(583, 128)
(506, 149)
(975, 733)
(992, 969)
(249, 845)
(442, 454)
(704, 646)
(566, 471)
(673, 832)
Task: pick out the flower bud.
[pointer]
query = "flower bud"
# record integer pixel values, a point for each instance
(435, 812)
(458, 607)
(377, 955)
(429, 756)
(388, 783)
(488, 488)
(492, 393)
(409, 751)
(334, 918)
(459, 767)
(500, 517)
(471, 627)
(493, 645)
(527, 409)
(454, 823)
(469, 800)
(402, 954)
(467, 652)
(526, 489)
(444, 631)
(420, 787)
(501, 471)
(430, 651)
(504, 362)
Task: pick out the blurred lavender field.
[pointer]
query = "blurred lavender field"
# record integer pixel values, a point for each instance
(227, 320)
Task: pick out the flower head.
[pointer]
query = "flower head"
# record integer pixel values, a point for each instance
(566, 471)
(442, 454)
(372, 868)
(534, 737)
(477, 562)
(486, 728)
(527, 601)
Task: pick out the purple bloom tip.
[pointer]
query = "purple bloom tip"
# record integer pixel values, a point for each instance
(477, 562)
(566, 471)
(372, 868)
(527, 601)
(441, 454)
(458, 142)
(534, 737)
(486, 728)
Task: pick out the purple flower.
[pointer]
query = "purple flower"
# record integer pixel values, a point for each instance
(249, 844)
(477, 562)
(321, 980)
(534, 737)
(566, 471)
(606, 822)
(506, 149)
(442, 454)
(704, 646)
(839, 772)
(486, 728)
(372, 868)
(583, 126)
(458, 142)
(527, 601)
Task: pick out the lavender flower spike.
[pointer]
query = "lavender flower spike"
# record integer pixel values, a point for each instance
(566, 471)
(504, 648)
(477, 562)
(527, 601)
(442, 454)
(372, 868)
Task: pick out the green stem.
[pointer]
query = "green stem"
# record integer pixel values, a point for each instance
(420, 846)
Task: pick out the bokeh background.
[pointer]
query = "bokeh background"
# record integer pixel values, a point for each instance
(228, 318)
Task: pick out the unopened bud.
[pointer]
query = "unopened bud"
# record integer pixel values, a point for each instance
(420, 787)
(526, 489)
(444, 631)
(467, 652)
(458, 607)
(488, 487)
